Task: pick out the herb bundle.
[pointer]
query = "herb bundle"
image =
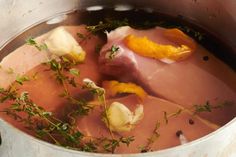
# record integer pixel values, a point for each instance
(43, 123)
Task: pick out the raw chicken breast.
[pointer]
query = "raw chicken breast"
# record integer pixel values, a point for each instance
(188, 82)
(45, 90)
(154, 109)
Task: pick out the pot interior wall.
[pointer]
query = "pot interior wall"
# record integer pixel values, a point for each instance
(214, 17)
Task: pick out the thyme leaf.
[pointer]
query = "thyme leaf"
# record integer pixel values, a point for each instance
(60, 67)
(114, 48)
(21, 79)
(32, 42)
(127, 140)
(207, 107)
(107, 24)
(202, 108)
(110, 145)
(7, 94)
(74, 72)
(80, 35)
(113, 51)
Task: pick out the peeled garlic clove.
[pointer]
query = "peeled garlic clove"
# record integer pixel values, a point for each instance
(62, 43)
(138, 114)
(121, 118)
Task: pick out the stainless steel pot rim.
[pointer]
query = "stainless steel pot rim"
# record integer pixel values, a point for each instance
(172, 149)
(35, 24)
(118, 8)
(55, 147)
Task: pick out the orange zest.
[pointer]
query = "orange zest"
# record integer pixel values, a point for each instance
(179, 37)
(114, 87)
(147, 48)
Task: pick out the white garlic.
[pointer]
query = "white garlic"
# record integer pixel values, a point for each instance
(60, 43)
(121, 118)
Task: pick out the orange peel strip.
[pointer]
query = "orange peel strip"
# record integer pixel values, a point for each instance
(179, 37)
(114, 87)
(147, 48)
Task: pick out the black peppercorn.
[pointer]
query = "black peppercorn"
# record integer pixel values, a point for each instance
(179, 132)
(190, 121)
(205, 58)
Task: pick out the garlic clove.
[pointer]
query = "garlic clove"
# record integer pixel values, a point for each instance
(138, 114)
(62, 43)
(121, 118)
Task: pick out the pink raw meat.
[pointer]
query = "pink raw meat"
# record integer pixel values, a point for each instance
(154, 108)
(189, 82)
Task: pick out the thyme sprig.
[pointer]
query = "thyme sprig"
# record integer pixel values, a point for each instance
(80, 35)
(107, 24)
(155, 135)
(207, 107)
(83, 108)
(84, 37)
(111, 144)
(40, 47)
(174, 114)
(198, 108)
(100, 93)
(65, 74)
(21, 79)
(8, 94)
(46, 126)
(111, 23)
(113, 51)
(59, 67)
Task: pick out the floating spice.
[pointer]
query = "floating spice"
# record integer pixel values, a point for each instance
(190, 121)
(205, 58)
(182, 138)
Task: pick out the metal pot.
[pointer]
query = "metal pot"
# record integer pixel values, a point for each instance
(217, 16)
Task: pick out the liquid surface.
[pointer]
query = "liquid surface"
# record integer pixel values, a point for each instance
(45, 91)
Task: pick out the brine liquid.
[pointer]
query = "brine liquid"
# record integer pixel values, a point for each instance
(44, 90)
(139, 18)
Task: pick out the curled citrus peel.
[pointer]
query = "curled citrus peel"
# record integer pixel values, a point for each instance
(179, 37)
(147, 48)
(114, 87)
